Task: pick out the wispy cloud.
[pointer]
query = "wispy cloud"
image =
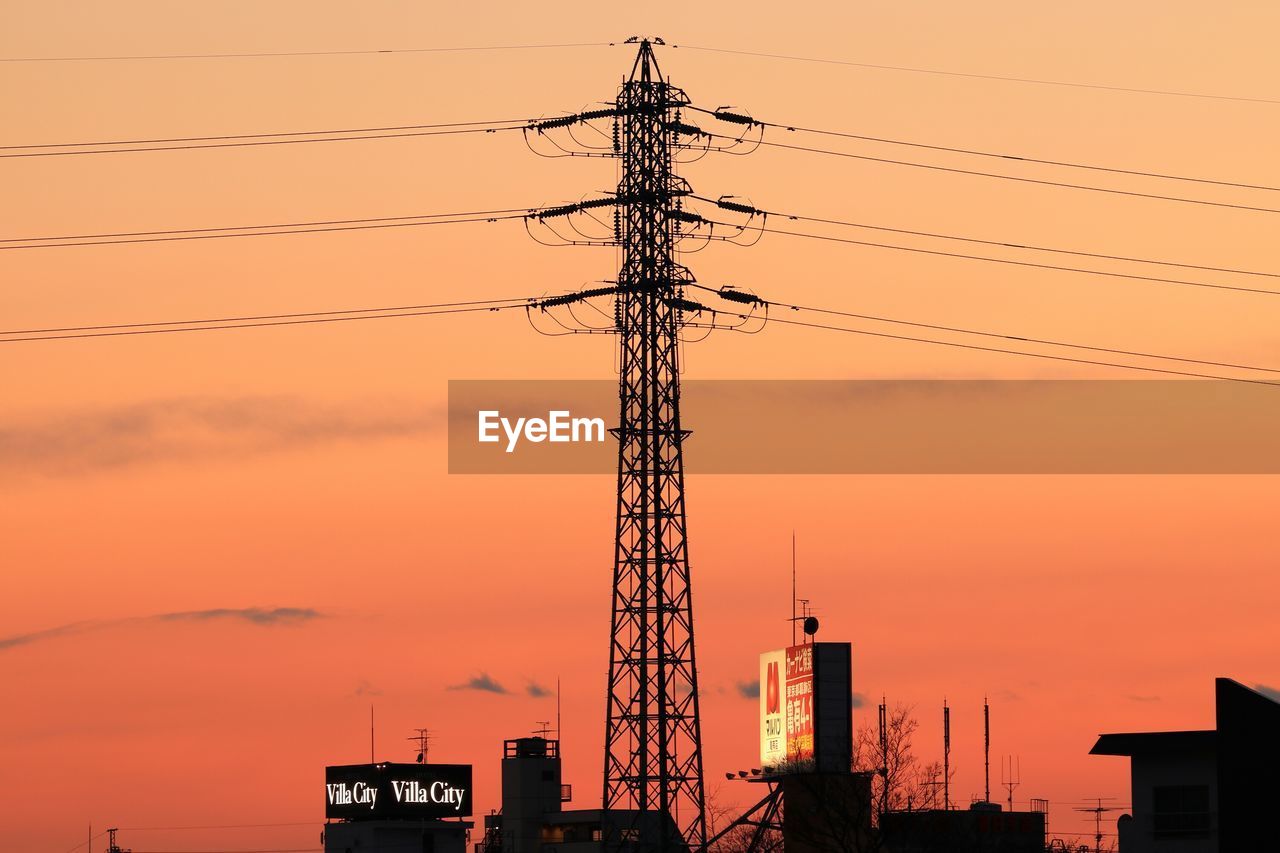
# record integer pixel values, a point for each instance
(46, 634)
(537, 691)
(256, 615)
(364, 688)
(252, 615)
(76, 442)
(858, 699)
(483, 682)
(1272, 693)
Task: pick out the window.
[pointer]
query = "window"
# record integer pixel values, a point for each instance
(1180, 810)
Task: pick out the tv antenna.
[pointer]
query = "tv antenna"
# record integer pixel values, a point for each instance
(1097, 812)
(1013, 777)
(544, 729)
(424, 738)
(805, 619)
(933, 785)
(793, 588)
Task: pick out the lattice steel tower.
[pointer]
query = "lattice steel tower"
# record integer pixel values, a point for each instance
(653, 743)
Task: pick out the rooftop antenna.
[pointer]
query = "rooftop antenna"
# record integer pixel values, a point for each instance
(371, 758)
(558, 735)
(1097, 820)
(883, 726)
(884, 755)
(424, 738)
(805, 614)
(932, 784)
(986, 750)
(1013, 778)
(793, 586)
(946, 756)
(544, 728)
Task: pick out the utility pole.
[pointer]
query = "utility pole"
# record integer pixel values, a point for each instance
(653, 789)
(112, 847)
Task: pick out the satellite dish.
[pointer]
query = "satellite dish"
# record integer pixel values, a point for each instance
(811, 625)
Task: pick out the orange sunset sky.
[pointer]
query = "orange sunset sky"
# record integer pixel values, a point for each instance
(209, 474)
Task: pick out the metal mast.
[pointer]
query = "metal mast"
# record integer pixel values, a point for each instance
(653, 794)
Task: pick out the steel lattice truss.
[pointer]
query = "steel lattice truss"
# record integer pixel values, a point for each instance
(653, 744)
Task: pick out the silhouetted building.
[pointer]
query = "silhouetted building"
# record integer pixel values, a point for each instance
(401, 836)
(826, 812)
(533, 818)
(1207, 791)
(982, 828)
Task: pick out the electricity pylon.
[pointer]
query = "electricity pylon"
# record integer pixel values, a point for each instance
(653, 782)
(653, 742)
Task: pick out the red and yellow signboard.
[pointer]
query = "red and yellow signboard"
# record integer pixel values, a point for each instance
(786, 706)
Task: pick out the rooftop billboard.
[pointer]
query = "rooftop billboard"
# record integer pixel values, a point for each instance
(806, 707)
(405, 791)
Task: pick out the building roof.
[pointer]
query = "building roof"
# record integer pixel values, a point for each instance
(1146, 743)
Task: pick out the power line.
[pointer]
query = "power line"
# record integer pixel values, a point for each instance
(978, 173)
(468, 213)
(261, 54)
(260, 142)
(225, 232)
(473, 302)
(87, 841)
(987, 259)
(970, 75)
(308, 318)
(385, 128)
(1022, 338)
(1025, 353)
(1001, 243)
(1017, 157)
